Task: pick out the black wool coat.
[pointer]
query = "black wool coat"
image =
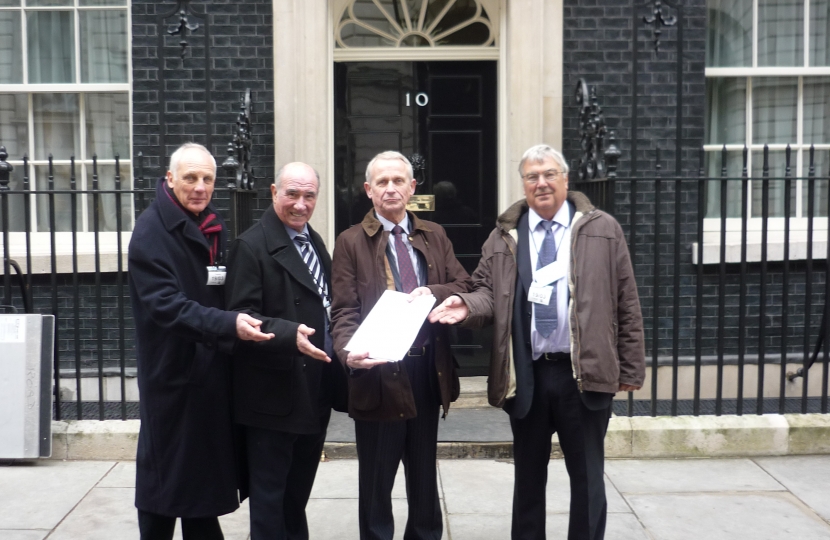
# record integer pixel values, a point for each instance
(185, 464)
(275, 386)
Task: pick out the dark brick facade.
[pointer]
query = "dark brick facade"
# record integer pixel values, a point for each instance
(197, 98)
(598, 47)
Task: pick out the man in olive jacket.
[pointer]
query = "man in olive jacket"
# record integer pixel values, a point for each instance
(186, 460)
(555, 279)
(395, 404)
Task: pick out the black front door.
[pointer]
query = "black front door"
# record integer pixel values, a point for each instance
(444, 112)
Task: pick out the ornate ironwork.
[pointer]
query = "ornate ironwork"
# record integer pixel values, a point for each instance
(419, 165)
(658, 20)
(5, 169)
(238, 162)
(183, 27)
(592, 132)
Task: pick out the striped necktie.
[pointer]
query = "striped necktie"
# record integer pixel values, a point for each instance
(546, 315)
(409, 281)
(313, 263)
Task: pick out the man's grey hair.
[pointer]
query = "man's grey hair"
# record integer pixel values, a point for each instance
(389, 154)
(540, 152)
(177, 156)
(278, 178)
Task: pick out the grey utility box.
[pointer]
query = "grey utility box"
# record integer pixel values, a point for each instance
(26, 353)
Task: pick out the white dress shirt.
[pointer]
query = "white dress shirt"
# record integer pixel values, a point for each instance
(559, 339)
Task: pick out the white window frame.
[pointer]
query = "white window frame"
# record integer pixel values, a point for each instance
(800, 157)
(40, 241)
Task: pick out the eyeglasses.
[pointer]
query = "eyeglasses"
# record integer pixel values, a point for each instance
(549, 176)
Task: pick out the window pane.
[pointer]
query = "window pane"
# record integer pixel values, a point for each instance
(17, 201)
(729, 40)
(11, 48)
(774, 102)
(51, 41)
(12, 3)
(14, 126)
(817, 110)
(47, 3)
(734, 168)
(103, 3)
(777, 168)
(57, 126)
(726, 121)
(108, 207)
(103, 46)
(781, 33)
(107, 126)
(821, 190)
(820, 32)
(62, 202)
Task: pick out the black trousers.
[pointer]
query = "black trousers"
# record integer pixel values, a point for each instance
(381, 446)
(281, 471)
(158, 527)
(557, 407)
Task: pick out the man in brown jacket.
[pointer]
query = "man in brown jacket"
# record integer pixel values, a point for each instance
(395, 404)
(556, 281)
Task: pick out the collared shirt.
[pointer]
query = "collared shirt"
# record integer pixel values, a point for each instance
(388, 226)
(559, 339)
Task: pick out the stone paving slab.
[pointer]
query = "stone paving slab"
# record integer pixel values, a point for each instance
(808, 478)
(685, 475)
(773, 498)
(40, 494)
(728, 516)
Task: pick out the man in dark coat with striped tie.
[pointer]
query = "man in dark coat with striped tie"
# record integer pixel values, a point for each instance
(280, 273)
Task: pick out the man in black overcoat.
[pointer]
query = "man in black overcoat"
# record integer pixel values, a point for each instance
(186, 464)
(284, 389)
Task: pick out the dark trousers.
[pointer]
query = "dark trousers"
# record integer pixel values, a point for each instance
(282, 467)
(381, 446)
(158, 527)
(557, 407)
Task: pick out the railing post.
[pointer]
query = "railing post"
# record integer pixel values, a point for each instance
(5, 174)
(612, 158)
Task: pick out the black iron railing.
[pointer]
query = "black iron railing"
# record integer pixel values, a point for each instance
(68, 269)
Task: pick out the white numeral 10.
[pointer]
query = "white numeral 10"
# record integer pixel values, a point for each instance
(421, 99)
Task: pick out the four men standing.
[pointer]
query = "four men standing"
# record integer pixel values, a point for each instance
(555, 279)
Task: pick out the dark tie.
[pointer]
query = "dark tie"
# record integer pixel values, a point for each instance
(409, 281)
(546, 315)
(314, 268)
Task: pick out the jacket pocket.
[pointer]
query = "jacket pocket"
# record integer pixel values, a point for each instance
(364, 390)
(269, 387)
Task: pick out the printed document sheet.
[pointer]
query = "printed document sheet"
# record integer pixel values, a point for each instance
(391, 327)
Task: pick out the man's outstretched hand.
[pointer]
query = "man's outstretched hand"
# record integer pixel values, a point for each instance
(453, 310)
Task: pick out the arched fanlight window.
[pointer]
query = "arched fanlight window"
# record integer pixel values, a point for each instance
(414, 23)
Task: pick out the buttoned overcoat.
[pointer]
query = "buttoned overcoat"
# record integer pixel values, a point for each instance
(185, 463)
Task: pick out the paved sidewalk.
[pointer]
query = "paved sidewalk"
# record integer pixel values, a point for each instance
(772, 498)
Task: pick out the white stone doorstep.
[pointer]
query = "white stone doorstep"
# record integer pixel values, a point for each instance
(634, 437)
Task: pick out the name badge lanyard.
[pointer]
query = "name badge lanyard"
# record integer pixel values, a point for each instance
(541, 290)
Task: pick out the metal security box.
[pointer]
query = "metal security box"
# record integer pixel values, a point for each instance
(26, 352)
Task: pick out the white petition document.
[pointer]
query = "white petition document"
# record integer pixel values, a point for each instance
(391, 327)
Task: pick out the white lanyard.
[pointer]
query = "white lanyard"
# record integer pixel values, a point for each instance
(557, 269)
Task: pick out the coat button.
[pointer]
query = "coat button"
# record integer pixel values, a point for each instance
(297, 301)
(410, 238)
(395, 374)
(429, 265)
(439, 373)
(401, 415)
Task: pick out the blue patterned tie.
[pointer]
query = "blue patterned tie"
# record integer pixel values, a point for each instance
(546, 315)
